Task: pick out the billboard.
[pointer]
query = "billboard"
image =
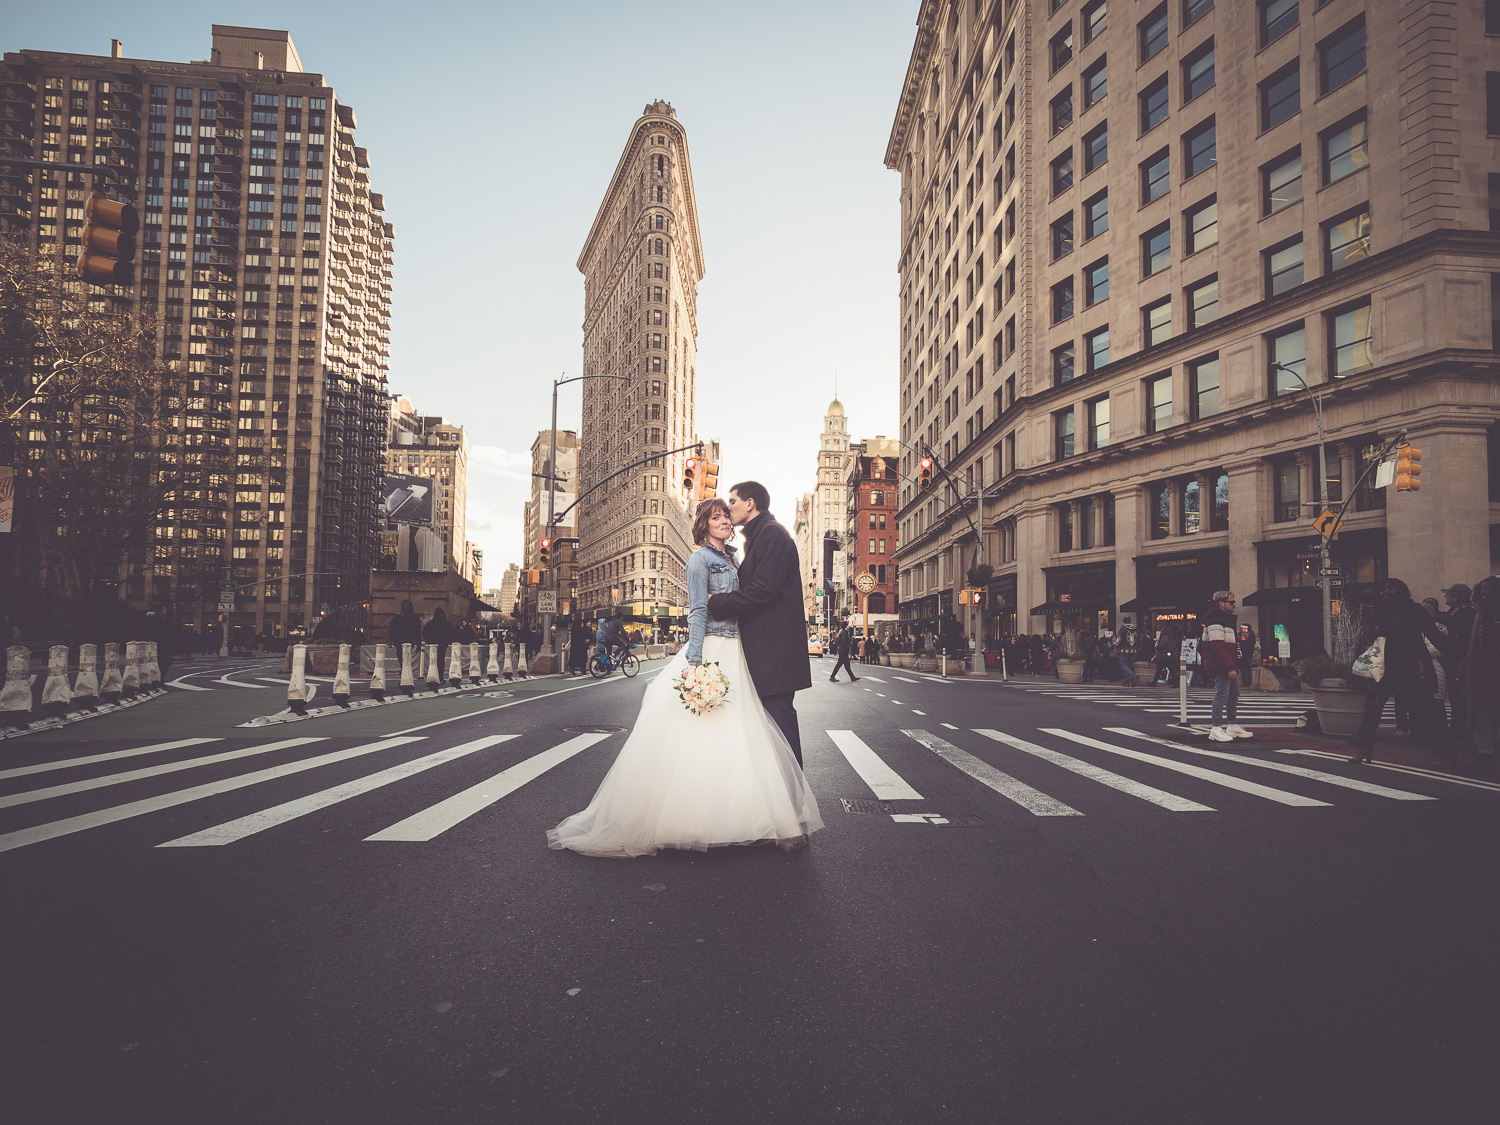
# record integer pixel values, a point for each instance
(408, 499)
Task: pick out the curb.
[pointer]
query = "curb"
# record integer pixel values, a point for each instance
(79, 716)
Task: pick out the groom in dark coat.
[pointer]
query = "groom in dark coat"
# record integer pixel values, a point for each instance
(768, 608)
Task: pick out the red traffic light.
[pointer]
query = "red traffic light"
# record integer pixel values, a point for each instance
(927, 462)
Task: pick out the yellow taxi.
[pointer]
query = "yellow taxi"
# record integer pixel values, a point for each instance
(814, 646)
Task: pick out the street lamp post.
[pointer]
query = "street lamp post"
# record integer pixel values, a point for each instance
(1324, 566)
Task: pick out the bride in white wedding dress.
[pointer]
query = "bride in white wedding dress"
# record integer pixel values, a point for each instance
(698, 781)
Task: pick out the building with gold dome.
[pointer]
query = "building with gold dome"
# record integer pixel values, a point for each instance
(828, 516)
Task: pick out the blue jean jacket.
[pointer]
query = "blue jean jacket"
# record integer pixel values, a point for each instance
(708, 572)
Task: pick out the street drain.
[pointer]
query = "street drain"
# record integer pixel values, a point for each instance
(856, 805)
(592, 730)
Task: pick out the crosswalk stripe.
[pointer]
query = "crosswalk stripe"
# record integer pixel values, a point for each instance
(233, 830)
(1282, 767)
(442, 816)
(36, 834)
(1098, 773)
(113, 755)
(12, 799)
(906, 679)
(884, 782)
(1224, 779)
(1032, 800)
(872, 679)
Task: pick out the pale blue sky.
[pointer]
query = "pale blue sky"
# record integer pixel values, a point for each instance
(493, 130)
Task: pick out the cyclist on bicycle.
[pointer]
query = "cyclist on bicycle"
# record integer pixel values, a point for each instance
(611, 640)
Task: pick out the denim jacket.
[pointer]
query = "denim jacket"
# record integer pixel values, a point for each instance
(708, 572)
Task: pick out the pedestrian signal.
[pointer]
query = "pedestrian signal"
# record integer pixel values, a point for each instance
(924, 482)
(108, 241)
(545, 547)
(531, 577)
(708, 479)
(1408, 469)
(690, 476)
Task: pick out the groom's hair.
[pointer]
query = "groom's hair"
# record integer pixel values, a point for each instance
(754, 491)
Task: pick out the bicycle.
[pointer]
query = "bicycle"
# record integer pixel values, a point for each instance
(601, 665)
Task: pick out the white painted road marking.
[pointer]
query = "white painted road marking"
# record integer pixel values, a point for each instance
(1415, 771)
(950, 726)
(1103, 776)
(1277, 795)
(883, 781)
(233, 830)
(442, 816)
(235, 683)
(89, 760)
(872, 679)
(40, 832)
(181, 682)
(1282, 767)
(906, 679)
(914, 711)
(1032, 800)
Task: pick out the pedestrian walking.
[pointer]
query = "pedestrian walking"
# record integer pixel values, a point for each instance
(1220, 656)
(1412, 645)
(841, 644)
(405, 628)
(1125, 649)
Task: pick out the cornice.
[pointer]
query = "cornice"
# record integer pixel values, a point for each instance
(911, 88)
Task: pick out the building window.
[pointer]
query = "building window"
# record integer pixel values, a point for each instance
(1350, 341)
(1345, 149)
(1099, 422)
(1346, 240)
(1062, 364)
(1153, 33)
(1157, 322)
(1190, 507)
(1198, 72)
(1065, 527)
(1095, 148)
(1095, 83)
(1277, 17)
(1287, 347)
(1199, 149)
(1159, 510)
(1154, 104)
(1202, 224)
(1062, 300)
(1193, 10)
(1096, 282)
(1203, 302)
(1062, 173)
(1062, 110)
(1281, 181)
(1284, 266)
(1087, 513)
(1342, 55)
(1062, 432)
(1095, 20)
(1203, 378)
(1156, 176)
(1159, 403)
(1062, 236)
(1492, 103)
(1280, 96)
(1096, 348)
(1287, 475)
(1156, 249)
(1096, 215)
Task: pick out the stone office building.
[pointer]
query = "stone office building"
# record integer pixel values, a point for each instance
(1129, 233)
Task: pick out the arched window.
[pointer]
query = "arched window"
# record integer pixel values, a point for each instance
(661, 163)
(877, 496)
(657, 248)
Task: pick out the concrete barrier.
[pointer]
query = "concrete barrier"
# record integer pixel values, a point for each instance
(474, 662)
(296, 688)
(341, 678)
(130, 680)
(432, 668)
(112, 685)
(377, 677)
(493, 671)
(86, 686)
(15, 696)
(455, 665)
(408, 680)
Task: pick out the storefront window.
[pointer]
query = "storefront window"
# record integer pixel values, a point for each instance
(1159, 511)
(1288, 476)
(1191, 508)
(1219, 516)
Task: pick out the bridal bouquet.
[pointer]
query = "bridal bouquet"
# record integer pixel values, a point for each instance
(702, 687)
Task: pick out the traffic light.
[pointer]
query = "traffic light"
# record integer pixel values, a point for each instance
(1408, 469)
(924, 482)
(108, 241)
(690, 476)
(978, 600)
(708, 479)
(546, 552)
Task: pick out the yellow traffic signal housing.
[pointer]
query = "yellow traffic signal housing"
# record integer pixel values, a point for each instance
(544, 549)
(108, 241)
(690, 476)
(532, 577)
(924, 482)
(708, 480)
(1408, 469)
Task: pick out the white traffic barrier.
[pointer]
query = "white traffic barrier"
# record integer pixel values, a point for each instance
(474, 661)
(341, 678)
(408, 680)
(15, 697)
(56, 694)
(493, 671)
(432, 667)
(112, 684)
(130, 681)
(150, 670)
(510, 664)
(86, 687)
(296, 688)
(521, 669)
(456, 665)
(377, 677)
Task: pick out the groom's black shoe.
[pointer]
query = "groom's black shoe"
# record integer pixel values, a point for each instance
(854, 679)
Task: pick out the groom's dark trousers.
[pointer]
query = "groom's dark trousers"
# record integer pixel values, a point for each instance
(782, 708)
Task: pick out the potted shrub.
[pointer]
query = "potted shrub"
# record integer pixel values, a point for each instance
(1070, 657)
(1337, 694)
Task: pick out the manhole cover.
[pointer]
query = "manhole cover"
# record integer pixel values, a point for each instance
(593, 730)
(855, 805)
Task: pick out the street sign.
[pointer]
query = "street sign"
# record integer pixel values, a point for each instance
(1327, 524)
(226, 584)
(865, 583)
(546, 601)
(1385, 473)
(1331, 572)
(226, 606)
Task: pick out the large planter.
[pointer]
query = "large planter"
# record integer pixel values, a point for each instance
(1341, 708)
(900, 659)
(1070, 669)
(1145, 671)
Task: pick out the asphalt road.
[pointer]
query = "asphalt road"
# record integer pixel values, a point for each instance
(1038, 929)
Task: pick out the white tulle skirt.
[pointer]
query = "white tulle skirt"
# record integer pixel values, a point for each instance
(697, 781)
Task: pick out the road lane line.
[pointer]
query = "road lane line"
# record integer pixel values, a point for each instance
(91, 759)
(71, 787)
(36, 834)
(512, 703)
(914, 711)
(233, 830)
(1032, 800)
(1224, 779)
(884, 782)
(1415, 771)
(950, 726)
(235, 683)
(181, 682)
(906, 679)
(431, 822)
(1097, 773)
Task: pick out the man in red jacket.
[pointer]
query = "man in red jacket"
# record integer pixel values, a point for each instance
(1220, 656)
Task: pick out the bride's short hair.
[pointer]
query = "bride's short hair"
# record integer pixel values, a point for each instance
(705, 511)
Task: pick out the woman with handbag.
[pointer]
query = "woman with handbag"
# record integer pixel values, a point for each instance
(1409, 670)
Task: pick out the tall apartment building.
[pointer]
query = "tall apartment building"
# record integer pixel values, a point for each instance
(870, 542)
(802, 536)
(266, 261)
(830, 499)
(534, 522)
(510, 588)
(1128, 231)
(641, 263)
(427, 446)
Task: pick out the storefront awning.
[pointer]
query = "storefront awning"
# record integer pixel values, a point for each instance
(1091, 606)
(1281, 595)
